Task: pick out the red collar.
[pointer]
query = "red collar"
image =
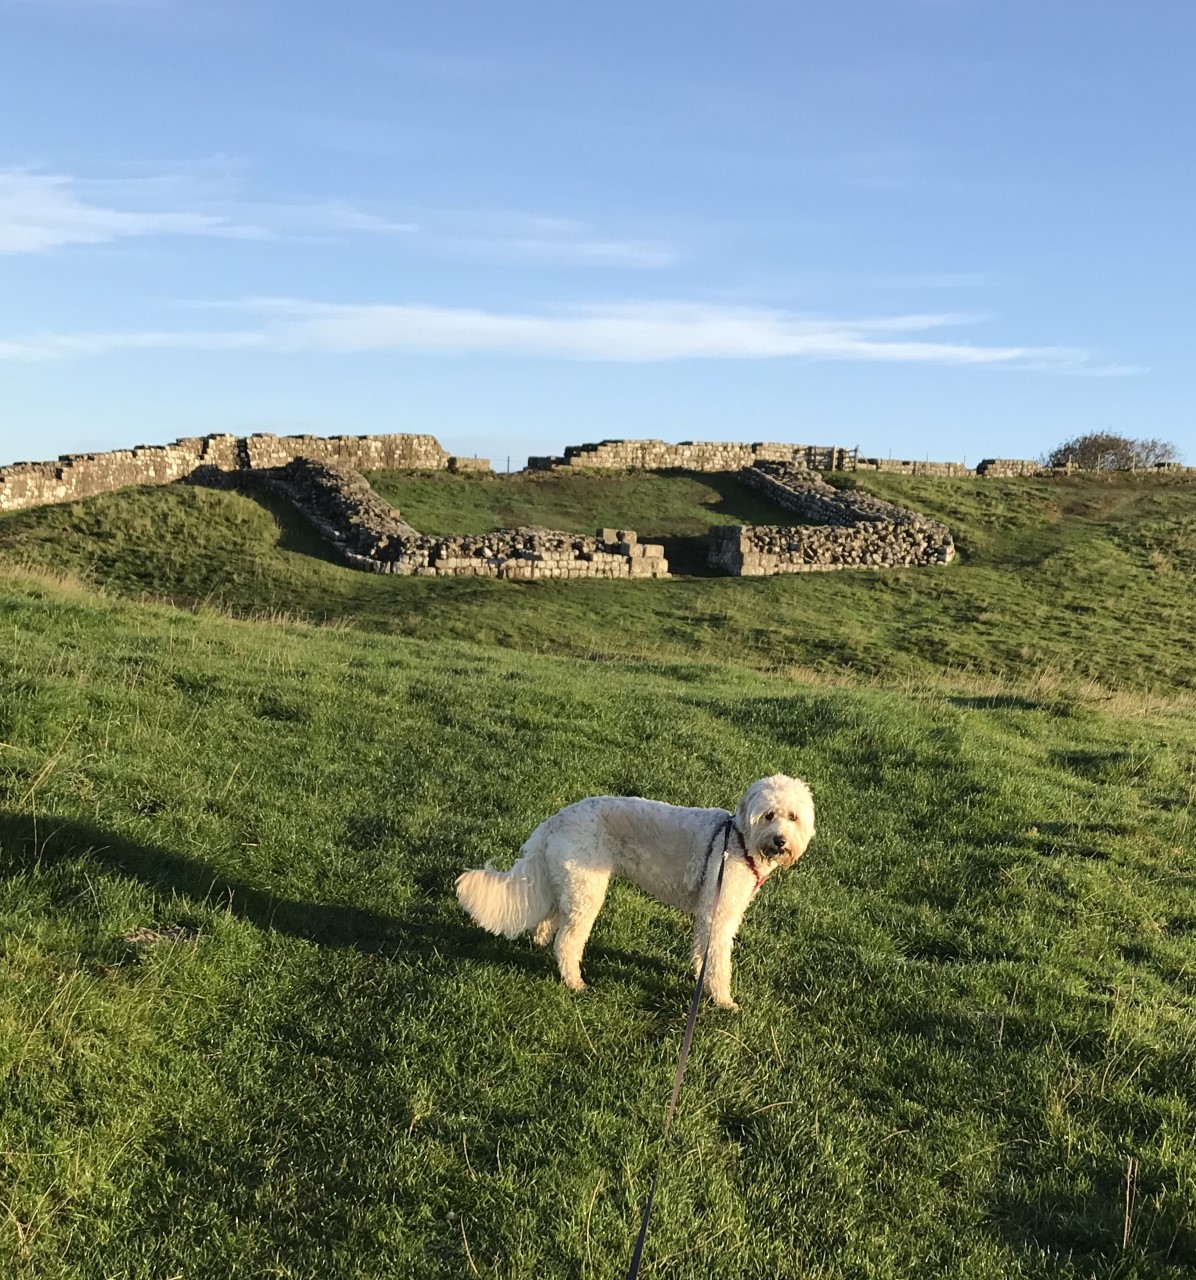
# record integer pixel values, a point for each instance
(747, 857)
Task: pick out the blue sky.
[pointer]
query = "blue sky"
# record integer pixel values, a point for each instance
(944, 228)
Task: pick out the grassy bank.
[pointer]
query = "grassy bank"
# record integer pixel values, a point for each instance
(1084, 579)
(245, 1030)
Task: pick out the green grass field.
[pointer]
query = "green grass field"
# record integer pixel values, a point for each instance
(245, 1030)
(1081, 579)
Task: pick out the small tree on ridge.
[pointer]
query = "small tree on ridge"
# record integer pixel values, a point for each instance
(1105, 451)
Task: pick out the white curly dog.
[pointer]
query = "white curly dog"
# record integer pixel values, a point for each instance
(558, 884)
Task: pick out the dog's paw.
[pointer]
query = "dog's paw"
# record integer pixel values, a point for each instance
(725, 1002)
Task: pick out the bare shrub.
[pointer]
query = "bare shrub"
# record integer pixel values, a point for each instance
(1106, 451)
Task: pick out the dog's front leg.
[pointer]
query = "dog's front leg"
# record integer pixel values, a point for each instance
(738, 886)
(701, 940)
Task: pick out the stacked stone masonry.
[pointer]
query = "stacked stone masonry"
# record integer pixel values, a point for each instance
(851, 530)
(1004, 468)
(913, 468)
(656, 455)
(689, 455)
(84, 475)
(361, 453)
(706, 455)
(370, 534)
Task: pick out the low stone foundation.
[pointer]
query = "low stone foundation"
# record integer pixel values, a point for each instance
(852, 530)
(337, 502)
(525, 554)
(368, 533)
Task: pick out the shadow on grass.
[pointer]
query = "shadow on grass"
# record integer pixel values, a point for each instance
(421, 930)
(999, 702)
(294, 532)
(1101, 1231)
(735, 499)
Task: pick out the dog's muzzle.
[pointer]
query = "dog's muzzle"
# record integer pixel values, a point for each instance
(782, 853)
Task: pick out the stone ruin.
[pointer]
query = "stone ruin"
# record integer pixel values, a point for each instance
(84, 475)
(702, 455)
(851, 530)
(321, 477)
(368, 533)
(706, 455)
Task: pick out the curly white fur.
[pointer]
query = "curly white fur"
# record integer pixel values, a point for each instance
(558, 885)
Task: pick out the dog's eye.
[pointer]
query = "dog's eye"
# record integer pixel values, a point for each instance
(768, 817)
(793, 817)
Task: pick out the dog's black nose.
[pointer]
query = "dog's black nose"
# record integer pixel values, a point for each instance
(778, 841)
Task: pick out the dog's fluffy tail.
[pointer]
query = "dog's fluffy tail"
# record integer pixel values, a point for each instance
(507, 902)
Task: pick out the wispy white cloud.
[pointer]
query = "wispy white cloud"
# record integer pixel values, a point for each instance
(321, 217)
(43, 211)
(57, 346)
(622, 332)
(500, 236)
(584, 251)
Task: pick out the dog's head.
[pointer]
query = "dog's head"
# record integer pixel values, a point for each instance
(776, 819)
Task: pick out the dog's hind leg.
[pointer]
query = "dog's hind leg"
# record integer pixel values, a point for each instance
(546, 930)
(579, 909)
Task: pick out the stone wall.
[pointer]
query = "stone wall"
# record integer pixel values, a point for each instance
(852, 530)
(527, 554)
(689, 455)
(459, 463)
(656, 455)
(913, 467)
(749, 551)
(368, 533)
(361, 453)
(1002, 468)
(337, 502)
(83, 475)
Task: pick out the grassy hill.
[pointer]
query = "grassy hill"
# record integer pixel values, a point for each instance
(245, 1030)
(1085, 579)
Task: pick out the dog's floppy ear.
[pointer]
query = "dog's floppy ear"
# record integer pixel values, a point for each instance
(747, 812)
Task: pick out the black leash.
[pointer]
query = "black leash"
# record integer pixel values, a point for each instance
(686, 1041)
